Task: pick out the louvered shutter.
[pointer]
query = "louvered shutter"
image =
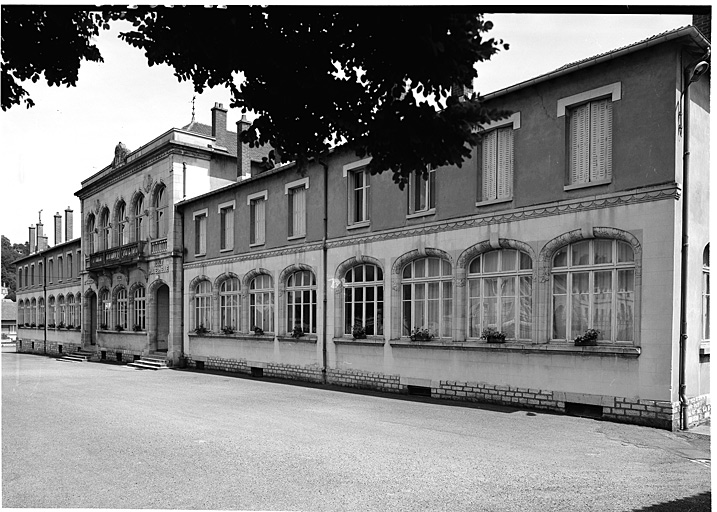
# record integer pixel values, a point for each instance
(600, 140)
(259, 217)
(489, 165)
(252, 222)
(579, 145)
(298, 211)
(504, 171)
(229, 226)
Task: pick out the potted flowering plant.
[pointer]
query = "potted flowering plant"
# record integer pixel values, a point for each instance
(227, 330)
(258, 330)
(201, 329)
(359, 333)
(297, 333)
(493, 335)
(421, 334)
(589, 338)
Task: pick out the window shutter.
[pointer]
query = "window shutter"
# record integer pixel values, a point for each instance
(223, 228)
(252, 222)
(292, 214)
(203, 234)
(504, 172)
(431, 189)
(579, 145)
(489, 166)
(260, 222)
(300, 205)
(197, 235)
(600, 140)
(229, 225)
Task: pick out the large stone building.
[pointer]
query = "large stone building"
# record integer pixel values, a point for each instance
(568, 220)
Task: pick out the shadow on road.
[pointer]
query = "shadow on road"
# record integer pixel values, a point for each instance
(694, 503)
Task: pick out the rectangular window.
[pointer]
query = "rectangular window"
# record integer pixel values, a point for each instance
(257, 216)
(497, 165)
(422, 193)
(358, 196)
(226, 221)
(200, 232)
(297, 207)
(590, 132)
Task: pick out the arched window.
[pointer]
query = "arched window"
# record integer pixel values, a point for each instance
(229, 304)
(706, 293)
(301, 301)
(60, 311)
(203, 305)
(104, 305)
(261, 303)
(33, 313)
(41, 311)
(121, 308)
(160, 204)
(363, 299)
(427, 297)
(19, 277)
(70, 314)
(500, 294)
(138, 217)
(121, 223)
(51, 312)
(91, 233)
(139, 300)
(105, 229)
(21, 312)
(593, 287)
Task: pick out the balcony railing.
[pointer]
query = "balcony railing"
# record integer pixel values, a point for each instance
(122, 255)
(158, 246)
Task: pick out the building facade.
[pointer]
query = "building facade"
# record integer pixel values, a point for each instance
(566, 223)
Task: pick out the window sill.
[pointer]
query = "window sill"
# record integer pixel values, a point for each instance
(311, 338)
(230, 249)
(201, 255)
(533, 348)
(122, 333)
(296, 237)
(705, 348)
(494, 201)
(359, 225)
(424, 213)
(586, 185)
(236, 335)
(375, 341)
(258, 244)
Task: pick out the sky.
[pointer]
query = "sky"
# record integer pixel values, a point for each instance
(70, 133)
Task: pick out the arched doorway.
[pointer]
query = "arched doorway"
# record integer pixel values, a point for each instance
(162, 317)
(90, 318)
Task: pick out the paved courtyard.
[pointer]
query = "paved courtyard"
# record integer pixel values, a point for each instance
(90, 435)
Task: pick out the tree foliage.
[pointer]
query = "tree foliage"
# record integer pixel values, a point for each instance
(10, 253)
(316, 76)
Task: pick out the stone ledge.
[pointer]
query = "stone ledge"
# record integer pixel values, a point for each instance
(304, 339)
(235, 336)
(373, 342)
(532, 348)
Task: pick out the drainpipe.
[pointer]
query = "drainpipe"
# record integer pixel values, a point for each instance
(324, 278)
(44, 300)
(692, 74)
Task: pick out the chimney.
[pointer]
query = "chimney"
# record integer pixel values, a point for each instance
(31, 239)
(39, 234)
(703, 23)
(219, 125)
(68, 224)
(462, 92)
(58, 228)
(243, 161)
(41, 243)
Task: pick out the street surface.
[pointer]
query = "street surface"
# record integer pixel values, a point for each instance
(91, 435)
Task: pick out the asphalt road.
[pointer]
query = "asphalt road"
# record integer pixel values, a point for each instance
(90, 435)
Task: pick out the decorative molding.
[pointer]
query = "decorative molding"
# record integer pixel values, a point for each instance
(147, 183)
(223, 277)
(121, 153)
(257, 255)
(353, 261)
(294, 267)
(471, 252)
(409, 256)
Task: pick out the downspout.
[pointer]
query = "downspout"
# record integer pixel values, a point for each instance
(44, 300)
(324, 278)
(692, 74)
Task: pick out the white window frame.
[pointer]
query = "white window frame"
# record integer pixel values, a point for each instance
(423, 282)
(349, 172)
(200, 232)
(705, 337)
(430, 195)
(202, 307)
(351, 302)
(226, 233)
(266, 306)
(229, 304)
(258, 229)
(569, 104)
(295, 302)
(296, 221)
(139, 308)
(122, 308)
(513, 123)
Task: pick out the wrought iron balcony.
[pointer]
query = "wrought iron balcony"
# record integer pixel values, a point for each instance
(117, 256)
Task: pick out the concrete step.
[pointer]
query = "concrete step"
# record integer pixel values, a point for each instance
(71, 358)
(149, 364)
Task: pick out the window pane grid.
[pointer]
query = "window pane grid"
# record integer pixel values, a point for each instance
(425, 303)
(261, 303)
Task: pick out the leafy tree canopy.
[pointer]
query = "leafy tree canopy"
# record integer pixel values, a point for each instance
(316, 76)
(10, 253)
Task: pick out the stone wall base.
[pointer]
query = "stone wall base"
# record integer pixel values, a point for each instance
(652, 413)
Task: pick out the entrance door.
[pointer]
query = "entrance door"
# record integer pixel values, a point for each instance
(162, 317)
(93, 319)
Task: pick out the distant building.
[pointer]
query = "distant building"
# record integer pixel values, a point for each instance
(9, 319)
(561, 237)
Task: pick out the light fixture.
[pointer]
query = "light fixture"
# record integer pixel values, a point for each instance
(697, 71)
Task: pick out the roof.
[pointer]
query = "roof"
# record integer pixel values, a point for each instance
(688, 32)
(9, 310)
(206, 130)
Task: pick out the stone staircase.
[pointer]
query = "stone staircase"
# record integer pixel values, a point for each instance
(151, 362)
(79, 356)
